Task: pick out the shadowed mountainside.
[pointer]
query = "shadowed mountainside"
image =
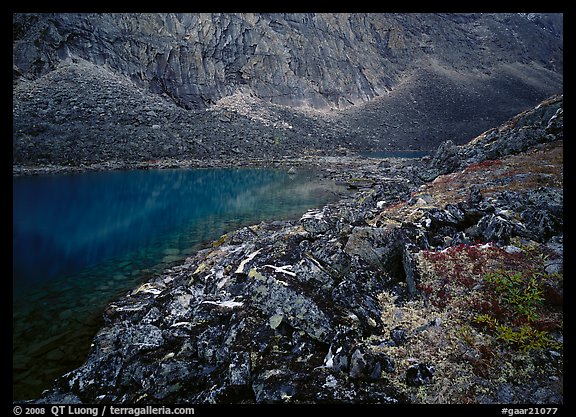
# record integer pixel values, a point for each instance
(97, 87)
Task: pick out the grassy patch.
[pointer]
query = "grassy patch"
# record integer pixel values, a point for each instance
(494, 323)
(500, 292)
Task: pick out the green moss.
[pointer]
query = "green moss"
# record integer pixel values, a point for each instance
(521, 296)
(523, 293)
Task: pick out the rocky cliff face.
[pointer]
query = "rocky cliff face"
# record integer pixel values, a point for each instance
(404, 78)
(410, 291)
(314, 60)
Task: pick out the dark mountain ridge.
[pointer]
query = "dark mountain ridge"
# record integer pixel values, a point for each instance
(274, 84)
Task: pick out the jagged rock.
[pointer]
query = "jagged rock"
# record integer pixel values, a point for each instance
(475, 195)
(375, 246)
(439, 218)
(410, 270)
(420, 200)
(338, 356)
(420, 374)
(495, 228)
(555, 124)
(240, 368)
(270, 295)
(272, 386)
(359, 364)
(314, 222)
(555, 263)
(300, 311)
(202, 81)
(355, 297)
(330, 254)
(455, 212)
(367, 365)
(446, 159)
(312, 273)
(399, 336)
(544, 224)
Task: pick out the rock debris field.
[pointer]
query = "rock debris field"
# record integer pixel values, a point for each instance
(440, 280)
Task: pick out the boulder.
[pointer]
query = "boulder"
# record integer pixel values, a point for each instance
(420, 374)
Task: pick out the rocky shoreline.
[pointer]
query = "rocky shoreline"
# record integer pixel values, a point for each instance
(439, 281)
(338, 164)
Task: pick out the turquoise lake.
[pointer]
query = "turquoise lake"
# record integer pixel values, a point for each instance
(81, 240)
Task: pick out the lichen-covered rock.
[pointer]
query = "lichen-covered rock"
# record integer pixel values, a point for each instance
(276, 296)
(420, 374)
(314, 222)
(375, 246)
(331, 309)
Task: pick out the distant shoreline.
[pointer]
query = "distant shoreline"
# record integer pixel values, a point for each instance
(314, 162)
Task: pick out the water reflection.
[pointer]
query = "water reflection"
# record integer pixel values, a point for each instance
(80, 240)
(68, 222)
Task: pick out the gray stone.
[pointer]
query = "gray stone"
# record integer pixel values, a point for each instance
(358, 364)
(495, 228)
(240, 368)
(410, 269)
(271, 295)
(399, 336)
(375, 246)
(420, 374)
(314, 223)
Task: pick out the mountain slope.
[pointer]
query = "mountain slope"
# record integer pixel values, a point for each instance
(318, 60)
(322, 81)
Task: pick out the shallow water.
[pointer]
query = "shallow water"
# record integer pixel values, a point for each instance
(81, 240)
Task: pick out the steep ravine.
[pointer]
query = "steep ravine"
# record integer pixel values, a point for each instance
(440, 281)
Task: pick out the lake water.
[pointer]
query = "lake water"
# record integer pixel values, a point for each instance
(81, 240)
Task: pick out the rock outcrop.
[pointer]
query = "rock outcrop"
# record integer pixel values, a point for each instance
(310, 59)
(282, 84)
(527, 129)
(394, 295)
